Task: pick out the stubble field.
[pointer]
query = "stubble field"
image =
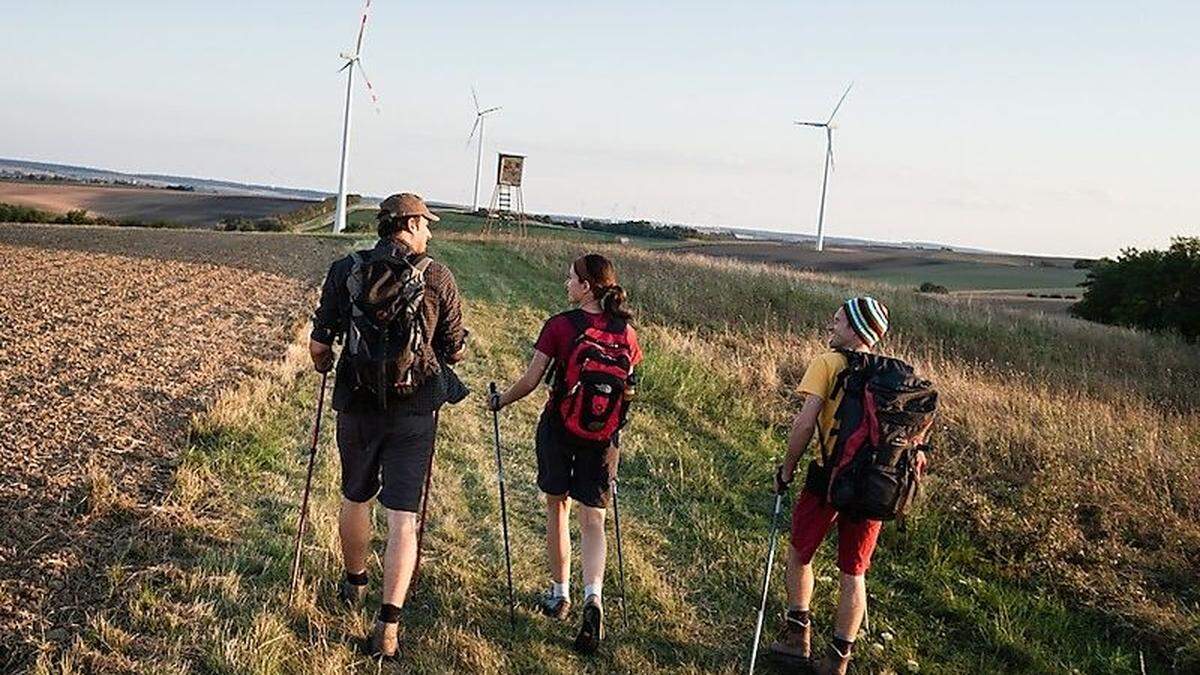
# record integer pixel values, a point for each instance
(107, 350)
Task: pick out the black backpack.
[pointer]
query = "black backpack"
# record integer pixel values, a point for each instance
(872, 472)
(387, 326)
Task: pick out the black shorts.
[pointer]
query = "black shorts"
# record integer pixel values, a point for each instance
(387, 455)
(569, 467)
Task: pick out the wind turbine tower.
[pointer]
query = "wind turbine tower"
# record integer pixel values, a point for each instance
(352, 61)
(480, 116)
(828, 126)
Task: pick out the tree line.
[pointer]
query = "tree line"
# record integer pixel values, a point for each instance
(1153, 290)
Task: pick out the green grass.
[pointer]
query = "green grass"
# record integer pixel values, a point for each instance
(696, 466)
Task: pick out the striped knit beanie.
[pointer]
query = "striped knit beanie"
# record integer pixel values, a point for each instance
(868, 317)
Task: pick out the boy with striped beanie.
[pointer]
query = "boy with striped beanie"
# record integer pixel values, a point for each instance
(857, 326)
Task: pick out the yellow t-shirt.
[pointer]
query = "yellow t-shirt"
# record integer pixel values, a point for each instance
(819, 380)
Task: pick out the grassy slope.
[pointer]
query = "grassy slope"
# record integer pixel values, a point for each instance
(695, 511)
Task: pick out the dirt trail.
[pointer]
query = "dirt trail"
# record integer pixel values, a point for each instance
(103, 359)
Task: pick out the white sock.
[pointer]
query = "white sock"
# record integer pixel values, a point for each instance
(595, 589)
(562, 590)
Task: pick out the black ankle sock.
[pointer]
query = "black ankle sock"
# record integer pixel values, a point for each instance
(359, 579)
(801, 616)
(389, 613)
(844, 647)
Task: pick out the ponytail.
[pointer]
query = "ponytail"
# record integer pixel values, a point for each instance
(612, 302)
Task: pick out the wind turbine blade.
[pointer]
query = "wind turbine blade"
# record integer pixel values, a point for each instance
(491, 110)
(473, 128)
(347, 65)
(839, 103)
(362, 28)
(370, 89)
(475, 98)
(812, 124)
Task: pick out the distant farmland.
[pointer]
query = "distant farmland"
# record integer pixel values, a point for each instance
(145, 204)
(911, 267)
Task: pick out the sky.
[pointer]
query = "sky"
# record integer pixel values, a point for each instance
(1049, 127)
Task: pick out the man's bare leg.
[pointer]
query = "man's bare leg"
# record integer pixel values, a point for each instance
(354, 530)
(400, 556)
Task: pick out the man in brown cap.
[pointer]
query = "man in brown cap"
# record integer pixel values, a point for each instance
(400, 317)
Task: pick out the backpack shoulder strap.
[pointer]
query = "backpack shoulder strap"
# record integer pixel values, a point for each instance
(423, 264)
(354, 279)
(854, 362)
(579, 320)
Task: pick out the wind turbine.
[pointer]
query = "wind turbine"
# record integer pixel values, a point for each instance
(829, 127)
(352, 60)
(479, 118)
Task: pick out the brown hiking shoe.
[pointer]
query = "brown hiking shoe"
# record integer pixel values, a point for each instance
(795, 640)
(592, 630)
(834, 663)
(384, 640)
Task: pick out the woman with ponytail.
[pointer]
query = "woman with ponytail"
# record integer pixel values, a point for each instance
(591, 352)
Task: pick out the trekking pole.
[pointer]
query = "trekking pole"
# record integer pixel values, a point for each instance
(620, 557)
(512, 616)
(766, 581)
(312, 457)
(425, 497)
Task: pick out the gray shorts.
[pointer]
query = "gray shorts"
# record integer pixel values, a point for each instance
(385, 455)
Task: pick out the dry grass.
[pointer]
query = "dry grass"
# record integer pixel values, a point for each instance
(1070, 449)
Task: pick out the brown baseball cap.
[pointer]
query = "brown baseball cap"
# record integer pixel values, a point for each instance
(407, 204)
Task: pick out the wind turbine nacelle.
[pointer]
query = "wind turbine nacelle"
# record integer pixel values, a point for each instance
(348, 57)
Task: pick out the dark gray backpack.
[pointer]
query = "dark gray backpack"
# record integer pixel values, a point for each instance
(387, 326)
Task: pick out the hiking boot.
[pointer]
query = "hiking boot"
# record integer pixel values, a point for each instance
(834, 663)
(795, 640)
(384, 641)
(351, 595)
(592, 630)
(555, 606)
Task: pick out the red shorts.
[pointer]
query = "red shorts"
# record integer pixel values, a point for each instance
(811, 519)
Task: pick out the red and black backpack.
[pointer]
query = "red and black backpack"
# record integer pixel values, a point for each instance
(593, 385)
(871, 471)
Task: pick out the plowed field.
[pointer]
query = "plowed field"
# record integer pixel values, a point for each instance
(110, 339)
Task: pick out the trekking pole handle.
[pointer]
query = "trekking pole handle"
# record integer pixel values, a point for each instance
(496, 433)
